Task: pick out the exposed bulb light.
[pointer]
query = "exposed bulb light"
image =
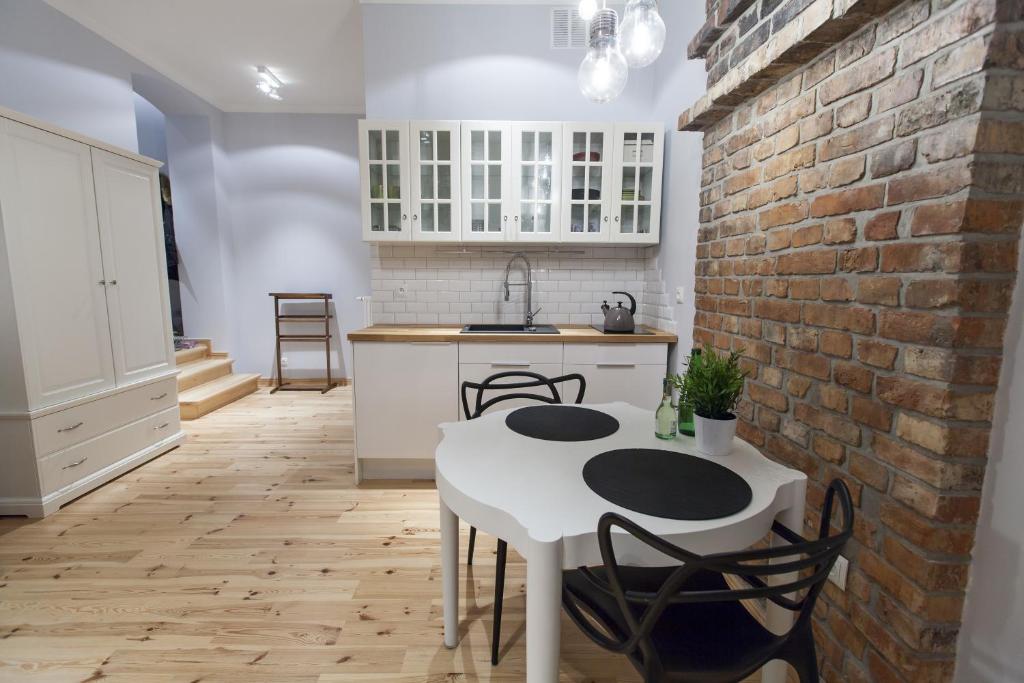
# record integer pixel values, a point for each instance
(643, 33)
(267, 83)
(604, 71)
(587, 9)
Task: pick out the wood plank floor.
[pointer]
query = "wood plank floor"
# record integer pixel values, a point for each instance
(248, 554)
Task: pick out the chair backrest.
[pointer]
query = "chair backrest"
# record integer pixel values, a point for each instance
(800, 568)
(513, 382)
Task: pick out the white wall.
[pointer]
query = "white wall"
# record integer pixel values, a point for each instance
(992, 634)
(293, 184)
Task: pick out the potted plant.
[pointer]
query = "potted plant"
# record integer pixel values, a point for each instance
(712, 388)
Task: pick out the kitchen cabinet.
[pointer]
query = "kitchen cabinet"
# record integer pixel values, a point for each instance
(620, 372)
(477, 362)
(501, 181)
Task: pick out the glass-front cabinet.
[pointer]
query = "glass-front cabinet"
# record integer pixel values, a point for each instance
(486, 201)
(384, 179)
(436, 200)
(636, 211)
(587, 185)
(536, 181)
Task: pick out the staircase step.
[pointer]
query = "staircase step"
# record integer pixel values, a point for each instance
(215, 394)
(201, 371)
(198, 352)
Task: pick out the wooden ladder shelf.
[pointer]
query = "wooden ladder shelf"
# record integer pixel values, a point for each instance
(324, 338)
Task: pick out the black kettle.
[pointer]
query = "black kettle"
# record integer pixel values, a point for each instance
(620, 319)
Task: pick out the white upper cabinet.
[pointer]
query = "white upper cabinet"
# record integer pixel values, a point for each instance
(56, 273)
(134, 260)
(587, 185)
(384, 180)
(636, 211)
(496, 181)
(486, 200)
(536, 181)
(436, 182)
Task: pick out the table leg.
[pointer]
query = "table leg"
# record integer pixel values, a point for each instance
(543, 610)
(450, 574)
(781, 620)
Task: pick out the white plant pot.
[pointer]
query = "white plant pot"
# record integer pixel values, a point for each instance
(714, 437)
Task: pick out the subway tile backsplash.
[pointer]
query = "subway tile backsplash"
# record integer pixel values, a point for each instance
(442, 284)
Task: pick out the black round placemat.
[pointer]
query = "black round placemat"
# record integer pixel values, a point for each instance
(667, 484)
(562, 423)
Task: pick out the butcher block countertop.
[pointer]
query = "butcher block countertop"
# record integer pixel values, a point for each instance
(575, 334)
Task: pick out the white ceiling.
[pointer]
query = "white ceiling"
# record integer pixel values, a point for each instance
(212, 47)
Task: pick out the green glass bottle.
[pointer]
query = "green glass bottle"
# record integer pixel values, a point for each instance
(665, 416)
(685, 409)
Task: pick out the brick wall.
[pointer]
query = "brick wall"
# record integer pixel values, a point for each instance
(861, 211)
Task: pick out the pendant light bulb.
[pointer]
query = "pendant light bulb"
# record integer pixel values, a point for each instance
(604, 71)
(587, 9)
(643, 33)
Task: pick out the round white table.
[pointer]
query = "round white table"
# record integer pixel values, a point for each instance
(531, 493)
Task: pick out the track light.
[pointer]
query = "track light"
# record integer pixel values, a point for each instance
(268, 83)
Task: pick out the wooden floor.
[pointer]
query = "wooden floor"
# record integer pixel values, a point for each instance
(248, 554)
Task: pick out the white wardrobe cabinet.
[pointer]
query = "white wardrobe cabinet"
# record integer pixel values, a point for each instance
(87, 376)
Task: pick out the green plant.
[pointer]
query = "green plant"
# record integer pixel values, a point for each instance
(712, 386)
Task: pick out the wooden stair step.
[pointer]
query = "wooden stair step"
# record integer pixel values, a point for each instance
(208, 397)
(201, 371)
(198, 352)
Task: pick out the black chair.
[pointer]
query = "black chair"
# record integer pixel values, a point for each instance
(686, 623)
(511, 389)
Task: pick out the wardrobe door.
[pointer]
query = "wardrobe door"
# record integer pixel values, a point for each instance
(135, 263)
(53, 247)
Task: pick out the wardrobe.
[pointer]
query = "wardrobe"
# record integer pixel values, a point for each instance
(87, 374)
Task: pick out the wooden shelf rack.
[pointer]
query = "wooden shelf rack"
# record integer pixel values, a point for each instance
(324, 338)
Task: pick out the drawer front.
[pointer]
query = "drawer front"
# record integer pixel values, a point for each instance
(66, 428)
(616, 354)
(478, 372)
(483, 353)
(639, 385)
(78, 462)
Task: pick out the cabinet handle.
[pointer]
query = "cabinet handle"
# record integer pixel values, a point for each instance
(102, 283)
(157, 398)
(75, 463)
(71, 428)
(163, 426)
(616, 365)
(510, 364)
(113, 282)
(431, 343)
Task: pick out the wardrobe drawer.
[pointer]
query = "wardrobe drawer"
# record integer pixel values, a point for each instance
(505, 354)
(60, 430)
(68, 466)
(616, 354)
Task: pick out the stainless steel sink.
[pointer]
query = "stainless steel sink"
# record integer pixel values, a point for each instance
(509, 329)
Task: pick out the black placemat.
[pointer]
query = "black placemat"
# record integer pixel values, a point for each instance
(667, 484)
(562, 423)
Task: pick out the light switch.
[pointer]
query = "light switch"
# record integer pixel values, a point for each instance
(680, 295)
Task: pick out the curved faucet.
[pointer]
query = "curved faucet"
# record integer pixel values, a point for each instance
(528, 283)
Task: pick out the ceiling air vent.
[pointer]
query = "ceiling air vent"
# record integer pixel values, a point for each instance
(568, 30)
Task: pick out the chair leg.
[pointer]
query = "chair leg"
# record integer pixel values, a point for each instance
(806, 664)
(472, 544)
(499, 596)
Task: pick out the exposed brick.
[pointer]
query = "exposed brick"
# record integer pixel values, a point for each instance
(934, 183)
(783, 311)
(849, 318)
(861, 260)
(902, 89)
(962, 99)
(871, 413)
(833, 425)
(767, 396)
(854, 111)
(882, 291)
(807, 235)
(882, 227)
(848, 201)
(804, 289)
(846, 171)
(840, 231)
(837, 344)
(893, 159)
(853, 376)
(783, 214)
(804, 363)
(802, 157)
(836, 289)
(941, 438)
(878, 354)
(872, 70)
(858, 139)
(807, 263)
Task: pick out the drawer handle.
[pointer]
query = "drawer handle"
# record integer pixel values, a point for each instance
(431, 343)
(75, 463)
(510, 364)
(163, 426)
(70, 429)
(157, 398)
(616, 365)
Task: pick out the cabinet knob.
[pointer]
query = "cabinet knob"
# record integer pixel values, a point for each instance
(113, 282)
(102, 283)
(415, 217)
(616, 219)
(405, 216)
(606, 219)
(516, 219)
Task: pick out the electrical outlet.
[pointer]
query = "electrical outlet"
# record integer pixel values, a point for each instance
(402, 292)
(680, 295)
(838, 573)
(284, 361)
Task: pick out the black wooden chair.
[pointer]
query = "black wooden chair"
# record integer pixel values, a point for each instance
(512, 386)
(686, 623)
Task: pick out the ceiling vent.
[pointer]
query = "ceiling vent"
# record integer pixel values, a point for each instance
(568, 29)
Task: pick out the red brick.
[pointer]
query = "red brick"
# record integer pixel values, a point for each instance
(934, 504)
(882, 227)
(816, 262)
(791, 454)
(849, 318)
(806, 236)
(869, 471)
(883, 291)
(922, 532)
(921, 328)
(783, 214)
(877, 353)
(853, 376)
(833, 398)
(857, 139)
(853, 111)
(846, 171)
(780, 239)
(840, 231)
(871, 413)
(936, 183)
(893, 159)
(769, 397)
(804, 289)
(809, 364)
(902, 89)
(848, 201)
(837, 344)
(835, 426)
(920, 257)
(789, 162)
(738, 182)
(827, 448)
(783, 311)
(862, 260)
(862, 75)
(836, 289)
(941, 474)
(941, 438)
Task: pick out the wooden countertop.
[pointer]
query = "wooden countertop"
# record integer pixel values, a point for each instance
(450, 333)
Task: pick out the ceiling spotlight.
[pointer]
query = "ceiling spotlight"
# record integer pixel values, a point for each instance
(587, 9)
(273, 95)
(267, 76)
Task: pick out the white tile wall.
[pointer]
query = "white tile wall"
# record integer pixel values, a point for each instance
(439, 284)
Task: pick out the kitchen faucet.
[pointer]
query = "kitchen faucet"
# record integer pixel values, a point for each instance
(528, 283)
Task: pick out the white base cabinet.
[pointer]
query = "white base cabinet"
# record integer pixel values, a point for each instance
(404, 390)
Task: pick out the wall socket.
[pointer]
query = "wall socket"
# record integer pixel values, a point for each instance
(680, 295)
(402, 292)
(839, 571)
(284, 361)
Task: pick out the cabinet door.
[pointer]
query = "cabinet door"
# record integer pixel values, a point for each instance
(587, 184)
(384, 180)
(53, 246)
(436, 201)
(537, 181)
(638, 385)
(636, 213)
(135, 264)
(486, 206)
(403, 391)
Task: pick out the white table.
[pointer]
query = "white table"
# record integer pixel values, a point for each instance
(531, 493)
